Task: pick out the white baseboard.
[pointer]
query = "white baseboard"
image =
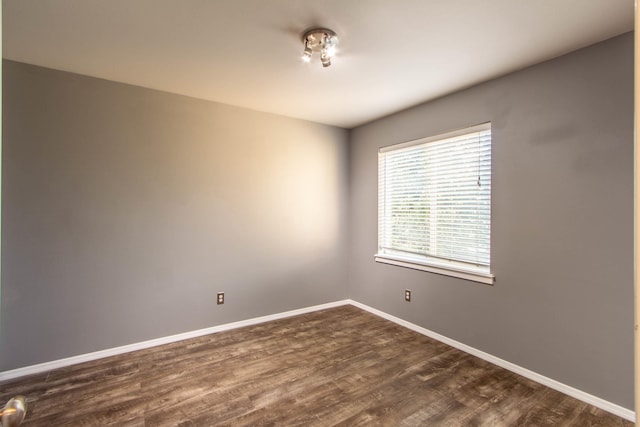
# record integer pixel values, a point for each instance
(551, 383)
(61, 363)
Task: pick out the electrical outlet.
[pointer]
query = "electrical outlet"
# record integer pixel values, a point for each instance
(407, 295)
(220, 298)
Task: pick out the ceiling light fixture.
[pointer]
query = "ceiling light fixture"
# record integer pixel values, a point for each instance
(320, 40)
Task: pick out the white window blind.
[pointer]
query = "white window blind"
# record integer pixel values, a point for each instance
(434, 202)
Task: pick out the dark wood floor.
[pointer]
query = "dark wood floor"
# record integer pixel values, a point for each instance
(337, 367)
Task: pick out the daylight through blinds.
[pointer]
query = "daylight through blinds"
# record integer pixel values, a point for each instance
(435, 199)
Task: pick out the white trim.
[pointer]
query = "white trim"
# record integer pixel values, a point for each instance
(475, 276)
(551, 383)
(605, 405)
(61, 363)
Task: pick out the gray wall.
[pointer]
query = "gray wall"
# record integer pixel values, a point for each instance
(562, 221)
(126, 209)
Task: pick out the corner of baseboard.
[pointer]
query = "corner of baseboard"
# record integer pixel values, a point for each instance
(549, 382)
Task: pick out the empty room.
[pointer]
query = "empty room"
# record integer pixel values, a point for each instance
(317, 213)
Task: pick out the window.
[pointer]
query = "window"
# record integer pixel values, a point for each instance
(434, 204)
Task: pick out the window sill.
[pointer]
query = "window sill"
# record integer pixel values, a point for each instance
(459, 272)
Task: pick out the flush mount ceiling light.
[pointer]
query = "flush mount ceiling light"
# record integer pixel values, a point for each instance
(322, 41)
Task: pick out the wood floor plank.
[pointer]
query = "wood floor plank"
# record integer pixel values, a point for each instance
(336, 367)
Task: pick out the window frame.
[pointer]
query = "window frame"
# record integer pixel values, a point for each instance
(462, 270)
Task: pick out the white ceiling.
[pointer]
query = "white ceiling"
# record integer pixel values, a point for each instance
(392, 54)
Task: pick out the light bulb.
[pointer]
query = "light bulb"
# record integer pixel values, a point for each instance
(325, 59)
(331, 51)
(306, 55)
